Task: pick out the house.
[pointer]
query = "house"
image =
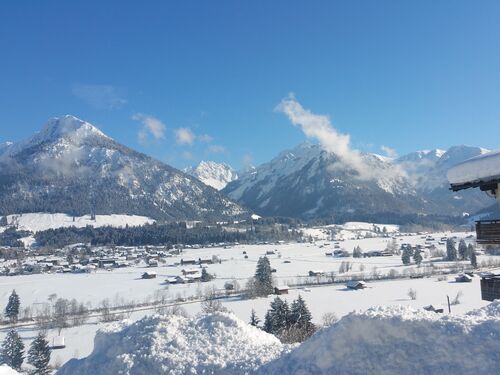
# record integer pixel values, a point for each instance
(106, 263)
(463, 278)
(316, 273)
(58, 342)
(171, 280)
(153, 263)
(356, 284)
(190, 271)
(490, 287)
(149, 275)
(180, 280)
(188, 261)
(279, 290)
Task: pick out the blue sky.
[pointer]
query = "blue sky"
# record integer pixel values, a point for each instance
(407, 75)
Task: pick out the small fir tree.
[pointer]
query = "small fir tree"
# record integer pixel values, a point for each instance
(12, 308)
(417, 257)
(254, 319)
(205, 276)
(472, 255)
(357, 252)
(406, 256)
(268, 323)
(13, 350)
(263, 277)
(451, 250)
(462, 250)
(39, 355)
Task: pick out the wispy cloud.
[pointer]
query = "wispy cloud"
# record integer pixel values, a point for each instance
(184, 136)
(102, 97)
(151, 128)
(216, 149)
(389, 152)
(319, 127)
(187, 155)
(204, 138)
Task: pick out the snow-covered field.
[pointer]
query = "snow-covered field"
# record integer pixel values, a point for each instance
(291, 261)
(40, 221)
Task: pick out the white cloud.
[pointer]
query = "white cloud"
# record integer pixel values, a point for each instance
(389, 152)
(151, 128)
(216, 149)
(99, 96)
(187, 155)
(320, 128)
(204, 138)
(247, 160)
(184, 136)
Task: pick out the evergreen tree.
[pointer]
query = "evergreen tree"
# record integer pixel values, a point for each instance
(13, 350)
(280, 315)
(263, 277)
(417, 256)
(39, 355)
(268, 323)
(205, 276)
(462, 250)
(300, 314)
(254, 319)
(472, 255)
(451, 250)
(357, 252)
(406, 256)
(12, 308)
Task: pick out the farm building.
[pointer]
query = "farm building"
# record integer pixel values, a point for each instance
(355, 284)
(464, 278)
(149, 275)
(279, 290)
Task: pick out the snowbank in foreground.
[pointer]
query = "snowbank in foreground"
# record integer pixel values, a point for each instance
(40, 221)
(399, 340)
(211, 344)
(6, 370)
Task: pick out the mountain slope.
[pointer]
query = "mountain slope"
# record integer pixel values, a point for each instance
(216, 175)
(72, 167)
(304, 182)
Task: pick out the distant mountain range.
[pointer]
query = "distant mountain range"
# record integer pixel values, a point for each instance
(303, 183)
(72, 167)
(216, 175)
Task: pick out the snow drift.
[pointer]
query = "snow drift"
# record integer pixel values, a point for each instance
(6, 370)
(211, 344)
(399, 340)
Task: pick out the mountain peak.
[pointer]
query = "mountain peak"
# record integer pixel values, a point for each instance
(216, 175)
(66, 126)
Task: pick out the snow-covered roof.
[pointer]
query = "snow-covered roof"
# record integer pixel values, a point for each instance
(478, 171)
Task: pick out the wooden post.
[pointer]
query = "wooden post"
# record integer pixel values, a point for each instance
(449, 306)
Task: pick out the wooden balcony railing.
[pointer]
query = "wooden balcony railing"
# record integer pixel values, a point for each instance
(488, 231)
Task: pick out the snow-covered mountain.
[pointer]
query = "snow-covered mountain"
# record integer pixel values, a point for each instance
(71, 167)
(307, 182)
(216, 175)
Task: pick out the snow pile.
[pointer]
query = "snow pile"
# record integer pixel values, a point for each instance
(6, 370)
(484, 167)
(40, 221)
(211, 344)
(400, 340)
